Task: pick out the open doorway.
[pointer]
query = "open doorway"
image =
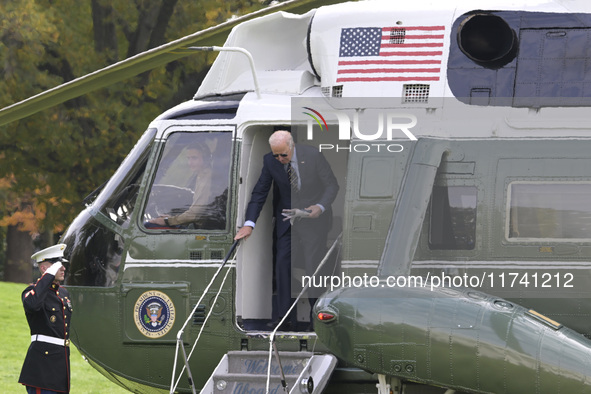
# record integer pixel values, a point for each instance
(255, 289)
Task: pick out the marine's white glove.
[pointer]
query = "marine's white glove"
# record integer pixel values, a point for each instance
(293, 214)
(55, 267)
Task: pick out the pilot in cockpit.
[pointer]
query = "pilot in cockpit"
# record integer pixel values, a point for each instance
(199, 163)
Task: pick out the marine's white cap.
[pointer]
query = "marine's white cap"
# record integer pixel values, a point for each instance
(52, 254)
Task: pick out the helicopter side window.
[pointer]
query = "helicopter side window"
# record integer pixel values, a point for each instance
(453, 218)
(190, 187)
(556, 211)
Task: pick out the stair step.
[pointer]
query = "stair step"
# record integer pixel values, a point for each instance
(247, 376)
(247, 387)
(257, 362)
(236, 383)
(243, 372)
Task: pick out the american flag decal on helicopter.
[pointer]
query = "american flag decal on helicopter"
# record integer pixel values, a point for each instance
(375, 54)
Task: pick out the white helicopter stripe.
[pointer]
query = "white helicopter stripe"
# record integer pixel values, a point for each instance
(503, 264)
(161, 264)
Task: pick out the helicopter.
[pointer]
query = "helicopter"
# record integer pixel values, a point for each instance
(459, 249)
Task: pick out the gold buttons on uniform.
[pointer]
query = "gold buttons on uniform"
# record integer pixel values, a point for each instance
(46, 353)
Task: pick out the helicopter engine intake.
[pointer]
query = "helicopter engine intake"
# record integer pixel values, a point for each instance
(488, 40)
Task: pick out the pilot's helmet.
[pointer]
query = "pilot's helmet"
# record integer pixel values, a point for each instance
(53, 254)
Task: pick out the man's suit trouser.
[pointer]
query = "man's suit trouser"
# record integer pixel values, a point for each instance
(283, 273)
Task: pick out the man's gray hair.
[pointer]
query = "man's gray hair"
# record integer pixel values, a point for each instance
(280, 137)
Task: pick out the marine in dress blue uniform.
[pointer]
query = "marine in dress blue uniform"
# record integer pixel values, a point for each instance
(48, 309)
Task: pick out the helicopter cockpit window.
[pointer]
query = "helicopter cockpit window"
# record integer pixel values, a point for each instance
(549, 210)
(94, 246)
(190, 187)
(453, 218)
(117, 200)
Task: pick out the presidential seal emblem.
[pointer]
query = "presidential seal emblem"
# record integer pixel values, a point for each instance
(154, 314)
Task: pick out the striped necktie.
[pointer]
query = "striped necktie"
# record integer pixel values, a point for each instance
(293, 177)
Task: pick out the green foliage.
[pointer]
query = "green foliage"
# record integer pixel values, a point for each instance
(85, 379)
(53, 159)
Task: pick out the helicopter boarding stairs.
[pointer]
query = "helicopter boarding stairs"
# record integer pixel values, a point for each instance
(249, 372)
(273, 371)
(260, 371)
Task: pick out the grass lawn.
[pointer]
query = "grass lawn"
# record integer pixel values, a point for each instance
(85, 379)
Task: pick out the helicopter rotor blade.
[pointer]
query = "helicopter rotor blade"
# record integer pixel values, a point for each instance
(142, 62)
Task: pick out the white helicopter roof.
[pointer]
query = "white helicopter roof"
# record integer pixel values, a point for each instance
(277, 42)
(341, 38)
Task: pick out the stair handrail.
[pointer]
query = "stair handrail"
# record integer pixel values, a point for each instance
(274, 332)
(179, 341)
(283, 380)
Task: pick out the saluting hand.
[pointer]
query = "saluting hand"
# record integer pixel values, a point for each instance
(54, 268)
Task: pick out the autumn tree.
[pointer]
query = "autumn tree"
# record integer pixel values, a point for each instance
(52, 160)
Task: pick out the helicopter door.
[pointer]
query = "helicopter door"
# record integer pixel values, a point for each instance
(255, 285)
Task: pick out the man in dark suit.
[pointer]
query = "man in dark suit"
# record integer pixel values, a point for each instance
(310, 185)
(49, 310)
